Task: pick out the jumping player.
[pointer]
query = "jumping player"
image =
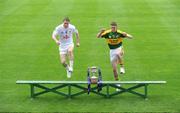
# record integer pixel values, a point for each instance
(65, 42)
(114, 39)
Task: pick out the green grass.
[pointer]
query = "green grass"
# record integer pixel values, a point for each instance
(27, 52)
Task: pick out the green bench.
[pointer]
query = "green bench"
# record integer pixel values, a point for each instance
(107, 87)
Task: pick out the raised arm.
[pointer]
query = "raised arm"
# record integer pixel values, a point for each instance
(100, 33)
(127, 35)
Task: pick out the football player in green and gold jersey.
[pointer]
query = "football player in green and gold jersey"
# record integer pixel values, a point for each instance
(114, 38)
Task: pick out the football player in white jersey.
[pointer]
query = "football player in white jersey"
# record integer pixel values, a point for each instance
(65, 41)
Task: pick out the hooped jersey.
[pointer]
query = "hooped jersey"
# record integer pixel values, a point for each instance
(114, 39)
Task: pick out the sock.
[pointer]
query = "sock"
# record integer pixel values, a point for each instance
(71, 62)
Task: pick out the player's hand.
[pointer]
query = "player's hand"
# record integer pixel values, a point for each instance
(57, 42)
(77, 44)
(102, 30)
(124, 34)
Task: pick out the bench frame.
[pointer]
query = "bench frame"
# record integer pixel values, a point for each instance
(83, 89)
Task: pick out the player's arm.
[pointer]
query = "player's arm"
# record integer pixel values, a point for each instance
(127, 35)
(54, 37)
(77, 39)
(99, 35)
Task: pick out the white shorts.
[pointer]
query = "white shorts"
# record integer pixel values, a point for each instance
(64, 49)
(116, 52)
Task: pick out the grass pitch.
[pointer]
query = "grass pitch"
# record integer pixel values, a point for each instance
(27, 52)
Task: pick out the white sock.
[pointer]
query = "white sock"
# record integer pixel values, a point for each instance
(71, 62)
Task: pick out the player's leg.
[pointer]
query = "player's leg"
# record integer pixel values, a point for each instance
(114, 59)
(71, 57)
(115, 71)
(63, 60)
(63, 55)
(120, 53)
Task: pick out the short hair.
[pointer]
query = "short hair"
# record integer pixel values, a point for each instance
(66, 19)
(113, 24)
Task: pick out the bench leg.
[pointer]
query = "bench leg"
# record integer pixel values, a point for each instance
(145, 91)
(32, 90)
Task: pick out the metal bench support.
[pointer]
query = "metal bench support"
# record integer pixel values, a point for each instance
(82, 88)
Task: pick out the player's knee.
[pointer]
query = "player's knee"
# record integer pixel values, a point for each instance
(121, 53)
(120, 56)
(70, 52)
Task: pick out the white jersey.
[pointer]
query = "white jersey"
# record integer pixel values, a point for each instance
(65, 34)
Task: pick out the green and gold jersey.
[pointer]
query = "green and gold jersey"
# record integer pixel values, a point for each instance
(114, 39)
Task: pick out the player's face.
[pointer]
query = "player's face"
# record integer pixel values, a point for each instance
(113, 28)
(66, 24)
